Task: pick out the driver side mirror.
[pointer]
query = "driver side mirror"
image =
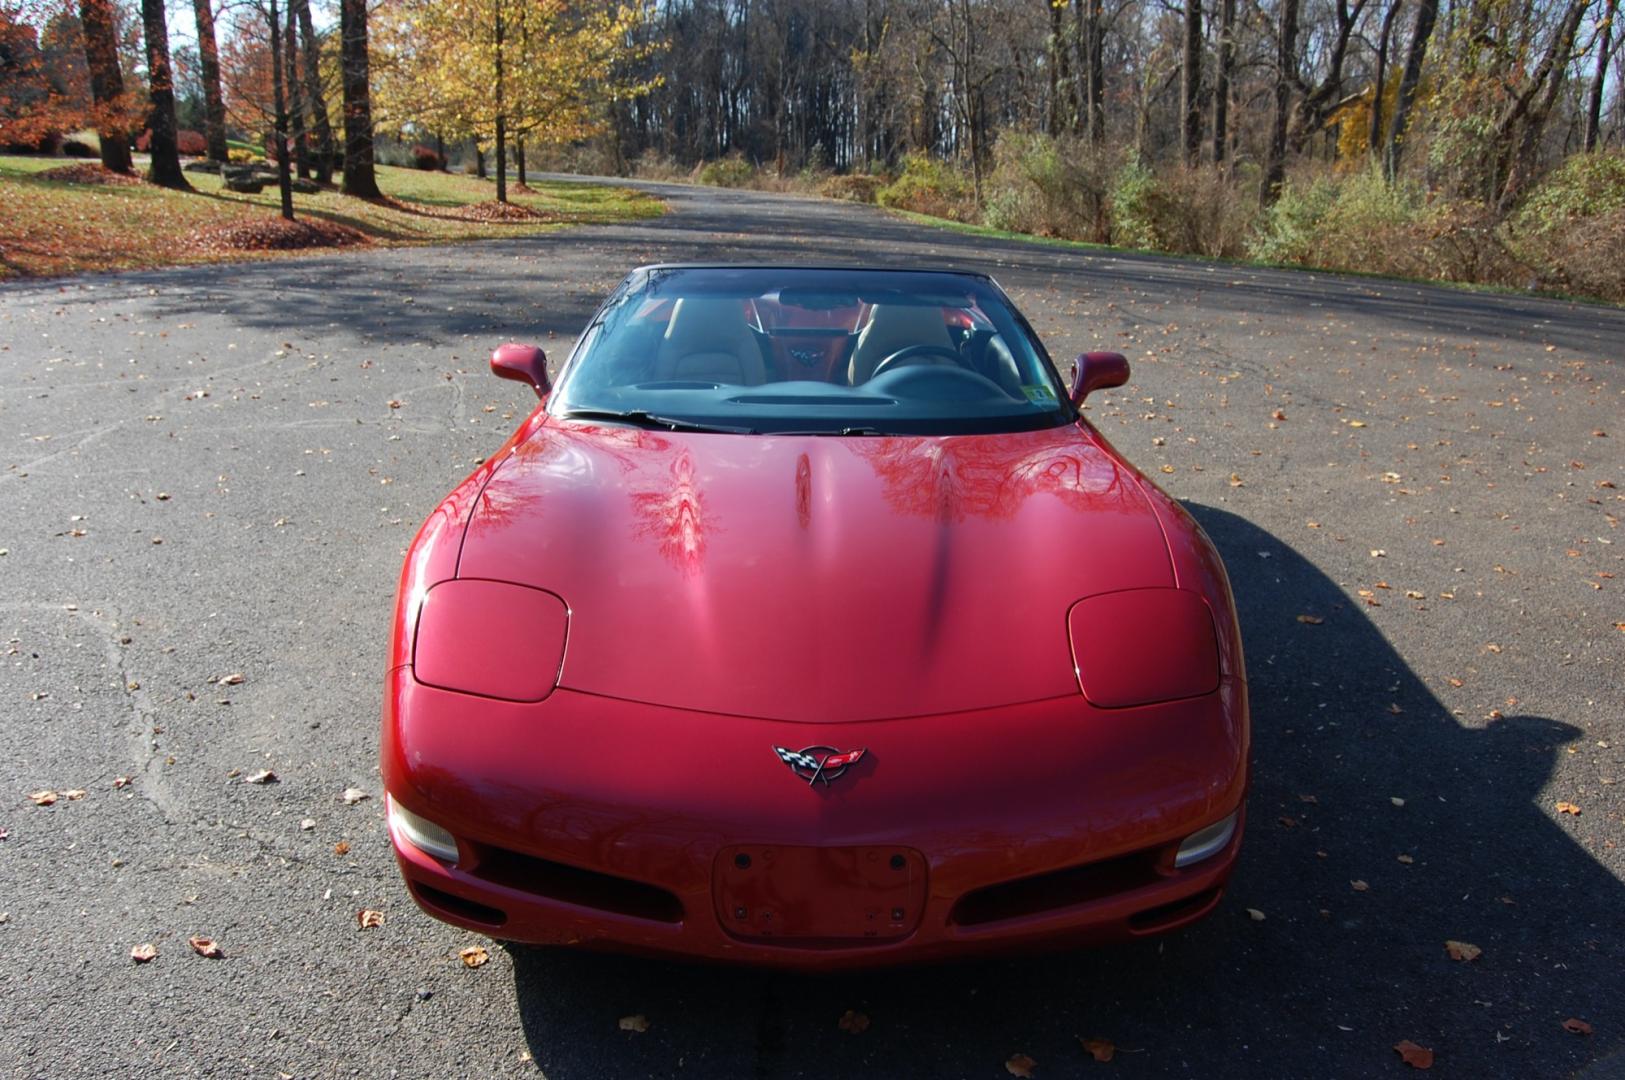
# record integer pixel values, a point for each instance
(522, 363)
(1097, 371)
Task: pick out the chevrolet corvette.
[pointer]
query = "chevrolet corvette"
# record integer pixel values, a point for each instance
(808, 622)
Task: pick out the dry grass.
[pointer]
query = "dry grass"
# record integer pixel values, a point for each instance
(50, 227)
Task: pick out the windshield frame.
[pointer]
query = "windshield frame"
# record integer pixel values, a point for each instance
(846, 418)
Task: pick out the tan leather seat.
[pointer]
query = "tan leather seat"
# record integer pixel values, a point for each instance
(892, 327)
(707, 340)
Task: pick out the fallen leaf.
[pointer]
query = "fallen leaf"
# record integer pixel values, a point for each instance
(1255, 915)
(1311, 620)
(1099, 1049)
(1417, 1057)
(1356, 423)
(853, 1023)
(1167, 468)
(43, 798)
(1020, 1065)
(233, 679)
(204, 946)
(353, 795)
(367, 918)
(1406, 859)
(341, 848)
(474, 956)
(264, 776)
(1461, 950)
(638, 1023)
(1575, 1026)
(120, 782)
(75, 794)
(1236, 480)
(1568, 808)
(1396, 800)
(142, 953)
(1359, 886)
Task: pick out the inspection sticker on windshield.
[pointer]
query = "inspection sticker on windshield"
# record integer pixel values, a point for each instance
(1039, 395)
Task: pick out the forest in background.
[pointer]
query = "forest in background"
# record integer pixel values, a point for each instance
(1465, 140)
(1470, 140)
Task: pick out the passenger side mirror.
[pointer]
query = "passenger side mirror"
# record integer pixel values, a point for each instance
(522, 363)
(1097, 371)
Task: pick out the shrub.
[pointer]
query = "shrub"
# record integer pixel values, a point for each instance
(242, 157)
(1571, 230)
(1133, 221)
(191, 143)
(929, 186)
(732, 171)
(1357, 221)
(76, 149)
(426, 158)
(854, 187)
(653, 165)
(1049, 186)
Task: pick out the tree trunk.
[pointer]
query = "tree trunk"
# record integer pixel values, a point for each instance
(1059, 118)
(1548, 76)
(1380, 74)
(314, 98)
(106, 82)
(1190, 83)
(284, 181)
(440, 149)
(1286, 63)
(166, 159)
(519, 159)
(502, 119)
(1426, 15)
(1600, 79)
(296, 97)
(1221, 81)
(214, 104)
(1096, 26)
(479, 160)
(359, 178)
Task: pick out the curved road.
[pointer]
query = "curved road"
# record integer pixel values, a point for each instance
(212, 472)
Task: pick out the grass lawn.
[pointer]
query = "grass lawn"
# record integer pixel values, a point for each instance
(49, 227)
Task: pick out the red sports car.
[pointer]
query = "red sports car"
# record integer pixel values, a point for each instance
(807, 622)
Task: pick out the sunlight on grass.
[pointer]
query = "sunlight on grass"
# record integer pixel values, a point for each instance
(51, 227)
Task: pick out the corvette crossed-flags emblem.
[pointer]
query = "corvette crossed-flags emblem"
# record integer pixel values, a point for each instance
(819, 763)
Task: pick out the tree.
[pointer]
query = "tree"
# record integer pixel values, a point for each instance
(1427, 12)
(1286, 77)
(107, 83)
(359, 178)
(1221, 80)
(497, 70)
(1190, 82)
(166, 161)
(214, 104)
(314, 98)
(1599, 80)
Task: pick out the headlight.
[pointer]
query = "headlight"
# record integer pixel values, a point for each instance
(490, 638)
(422, 833)
(1142, 646)
(1206, 843)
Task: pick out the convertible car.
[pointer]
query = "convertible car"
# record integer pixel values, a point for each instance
(808, 622)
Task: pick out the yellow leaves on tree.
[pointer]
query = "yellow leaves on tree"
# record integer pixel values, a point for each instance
(548, 69)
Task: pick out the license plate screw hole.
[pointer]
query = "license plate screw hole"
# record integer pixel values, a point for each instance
(898, 862)
(896, 914)
(742, 861)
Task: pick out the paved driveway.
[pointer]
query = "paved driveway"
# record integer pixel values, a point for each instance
(213, 472)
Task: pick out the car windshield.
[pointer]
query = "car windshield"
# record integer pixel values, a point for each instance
(761, 350)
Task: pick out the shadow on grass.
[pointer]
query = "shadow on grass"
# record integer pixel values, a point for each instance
(1324, 986)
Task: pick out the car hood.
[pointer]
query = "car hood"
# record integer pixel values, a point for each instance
(818, 579)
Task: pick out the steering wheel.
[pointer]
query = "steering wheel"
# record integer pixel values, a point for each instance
(916, 354)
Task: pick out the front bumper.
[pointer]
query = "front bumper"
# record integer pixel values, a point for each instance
(603, 823)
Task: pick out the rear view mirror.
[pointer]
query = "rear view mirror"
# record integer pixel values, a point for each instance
(1097, 371)
(522, 363)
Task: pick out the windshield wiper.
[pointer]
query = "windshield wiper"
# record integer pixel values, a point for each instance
(640, 418)
(835, 432)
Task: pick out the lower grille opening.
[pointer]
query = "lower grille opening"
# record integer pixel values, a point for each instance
(1057, 889)
(573, 885)
(456, 906)
(1168, 914)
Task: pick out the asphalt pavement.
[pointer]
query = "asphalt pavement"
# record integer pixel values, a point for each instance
(209, 476)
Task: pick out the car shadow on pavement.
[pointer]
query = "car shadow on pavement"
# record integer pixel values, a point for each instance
(1381, 826)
